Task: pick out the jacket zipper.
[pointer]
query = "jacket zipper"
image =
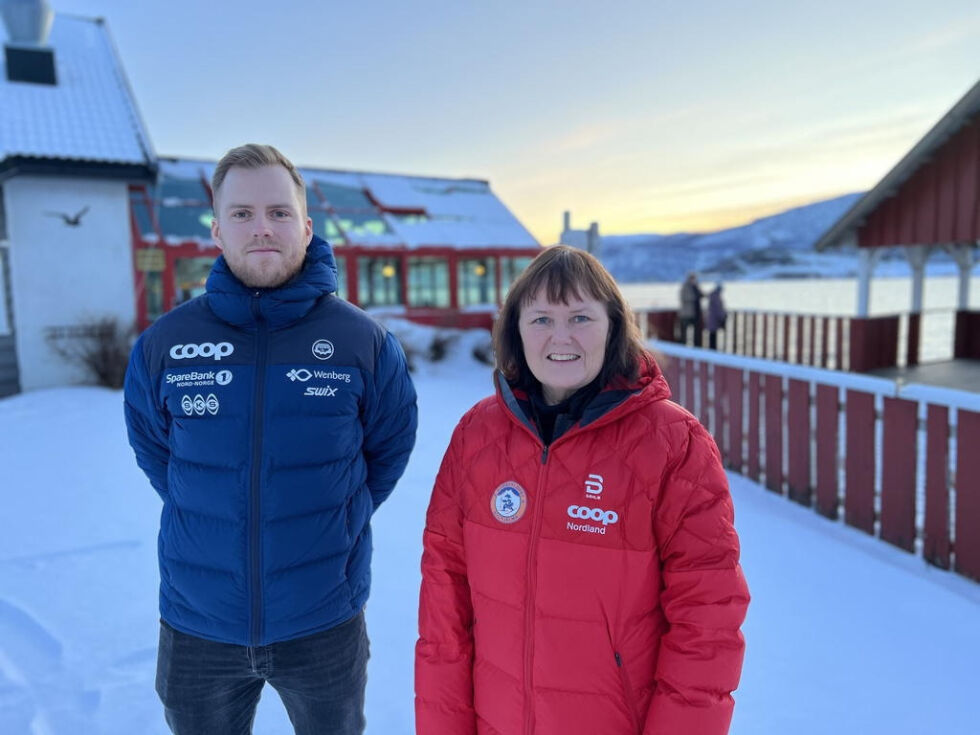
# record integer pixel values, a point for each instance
(628, 690)
(532, 581)
(255, 495)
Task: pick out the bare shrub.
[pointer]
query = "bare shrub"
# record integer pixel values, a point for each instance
(101, 346)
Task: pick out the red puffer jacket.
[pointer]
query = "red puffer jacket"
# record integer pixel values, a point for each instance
(589, 588)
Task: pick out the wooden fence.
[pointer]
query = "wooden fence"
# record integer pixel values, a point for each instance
(901, 464)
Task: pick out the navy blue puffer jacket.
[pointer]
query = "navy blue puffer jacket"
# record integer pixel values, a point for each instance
(272, 423)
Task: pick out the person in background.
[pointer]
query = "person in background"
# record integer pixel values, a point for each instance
(690, 311)
(580, 571)
(272, 418)
(717, 316)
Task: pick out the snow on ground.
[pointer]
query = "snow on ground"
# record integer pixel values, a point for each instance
(845, 634)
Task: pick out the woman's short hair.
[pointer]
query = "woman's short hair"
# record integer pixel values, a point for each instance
(559, 273)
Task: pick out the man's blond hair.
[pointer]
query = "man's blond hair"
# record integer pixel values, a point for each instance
(255, 155)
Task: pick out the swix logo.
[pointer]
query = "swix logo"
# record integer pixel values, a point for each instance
(302, 375)
(325, 391)
(593, 486)
(593, 514)
(200, 404)
(205, 349)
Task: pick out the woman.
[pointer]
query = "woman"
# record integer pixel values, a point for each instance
(580, 569)
(717, 316)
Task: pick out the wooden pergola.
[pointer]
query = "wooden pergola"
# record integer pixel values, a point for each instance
(929, 202)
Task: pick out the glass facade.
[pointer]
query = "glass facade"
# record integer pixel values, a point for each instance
(341, 276)
(510, 269)
(428, 282)
(190, 275)
(379, 281)
(477, 281)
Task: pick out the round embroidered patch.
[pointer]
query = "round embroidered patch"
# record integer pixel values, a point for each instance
(508, 502)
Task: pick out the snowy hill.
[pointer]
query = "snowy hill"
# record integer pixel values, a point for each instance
(779, 246)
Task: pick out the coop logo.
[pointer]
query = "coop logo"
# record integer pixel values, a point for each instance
(205, 349)
(593, 486)
(301, 375)
(200, 404)
(508, 502)
(323, 349)
(324, 391)
(591, 514)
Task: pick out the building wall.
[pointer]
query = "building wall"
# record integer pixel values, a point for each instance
(61, 276)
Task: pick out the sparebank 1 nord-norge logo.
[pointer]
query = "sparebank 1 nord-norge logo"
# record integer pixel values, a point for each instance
(508, 502)
(323, 349)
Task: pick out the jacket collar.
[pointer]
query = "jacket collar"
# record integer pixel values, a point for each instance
(234, 302)
(612, 401)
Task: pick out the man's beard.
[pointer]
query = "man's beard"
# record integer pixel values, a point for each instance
(270, 276)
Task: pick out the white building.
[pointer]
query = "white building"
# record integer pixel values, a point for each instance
(71, 143)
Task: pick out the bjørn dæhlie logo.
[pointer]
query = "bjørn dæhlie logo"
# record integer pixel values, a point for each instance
(508, 502)
(323, 349)
(205, 349)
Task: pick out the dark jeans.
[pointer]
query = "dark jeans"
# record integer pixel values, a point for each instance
(210, 688)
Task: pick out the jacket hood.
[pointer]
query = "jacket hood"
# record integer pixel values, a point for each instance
(235, 303)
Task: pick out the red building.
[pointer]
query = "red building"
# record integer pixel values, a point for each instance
(435, 250)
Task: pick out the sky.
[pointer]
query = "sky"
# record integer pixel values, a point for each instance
(642, 116)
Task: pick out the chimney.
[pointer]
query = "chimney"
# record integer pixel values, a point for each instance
(28, 23)
(567, 221)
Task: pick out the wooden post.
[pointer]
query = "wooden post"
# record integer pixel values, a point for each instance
(774, 433)
(967, 494)
(935, 536)
(827, 450)
(755, 391)
(798, 438)
(859, 463)
(900, 419)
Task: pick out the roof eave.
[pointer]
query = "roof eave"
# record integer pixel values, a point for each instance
(961, 113)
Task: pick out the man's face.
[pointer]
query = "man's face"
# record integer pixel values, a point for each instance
(261, 226)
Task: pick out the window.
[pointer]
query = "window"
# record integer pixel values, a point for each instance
(510, 269)
(477, 281)
(190, 275)
(185, 210)
(5, 326)
(341, 276)
(3, 217)
(379, 281)
(354, 216)
(428, 282)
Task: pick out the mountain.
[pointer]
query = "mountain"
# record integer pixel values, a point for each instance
(778, 246)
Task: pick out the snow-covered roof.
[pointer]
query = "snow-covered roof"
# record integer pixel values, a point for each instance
(89, 115)
(359, 208)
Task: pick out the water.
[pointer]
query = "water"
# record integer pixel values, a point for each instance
(834, 296)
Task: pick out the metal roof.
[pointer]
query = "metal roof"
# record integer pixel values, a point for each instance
(358, 208)
(90, 115)
(962, 112)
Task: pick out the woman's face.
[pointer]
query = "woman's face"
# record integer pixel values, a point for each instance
(564, 344)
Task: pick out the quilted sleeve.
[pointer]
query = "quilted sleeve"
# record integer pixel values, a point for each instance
(444, 651)
(146, 424)
(390, 419)
(704, 598)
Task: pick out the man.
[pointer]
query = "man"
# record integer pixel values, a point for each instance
(273, 419)
(690, 311)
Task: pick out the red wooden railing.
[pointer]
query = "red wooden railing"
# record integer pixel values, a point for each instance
(852, 446)
(836, 342)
